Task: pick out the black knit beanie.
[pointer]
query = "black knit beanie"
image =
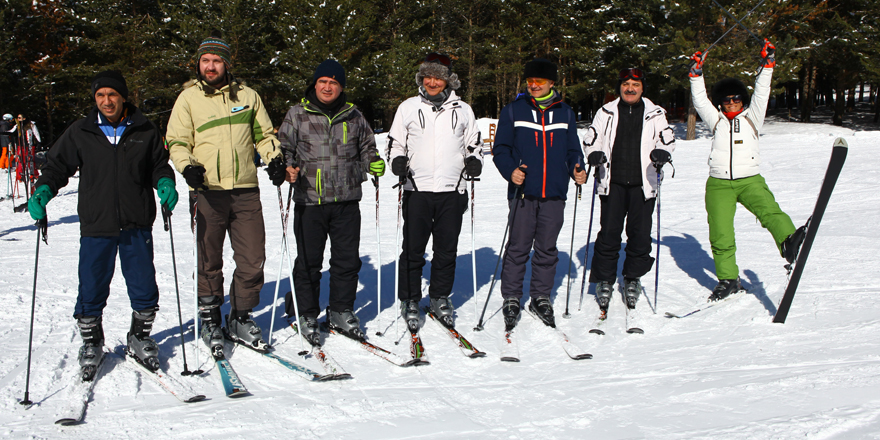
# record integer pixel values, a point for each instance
(112, 79)
(540, 68)
(330, 69)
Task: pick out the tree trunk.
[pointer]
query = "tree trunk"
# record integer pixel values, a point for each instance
(808, 92)
(691, 118)
(47, 136)
(839, 104)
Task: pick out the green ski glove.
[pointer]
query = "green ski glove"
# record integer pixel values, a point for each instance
(167, 193)
(37, 203)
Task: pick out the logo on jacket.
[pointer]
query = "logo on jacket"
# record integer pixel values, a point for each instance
(238, 109)
(736, 125)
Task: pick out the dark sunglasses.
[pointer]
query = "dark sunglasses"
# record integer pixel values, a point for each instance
(734, 99)
(434, 57)
(631, 73)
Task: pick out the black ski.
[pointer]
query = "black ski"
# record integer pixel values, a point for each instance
(835, 165)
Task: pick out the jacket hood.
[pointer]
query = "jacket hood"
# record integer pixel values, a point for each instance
(727, 87)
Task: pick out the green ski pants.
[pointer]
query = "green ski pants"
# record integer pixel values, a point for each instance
(721, 199)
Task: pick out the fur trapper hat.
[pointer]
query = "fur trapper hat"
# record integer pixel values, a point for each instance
(439, 71)
(727, 87)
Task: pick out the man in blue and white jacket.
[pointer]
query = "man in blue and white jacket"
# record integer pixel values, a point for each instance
(536, 150)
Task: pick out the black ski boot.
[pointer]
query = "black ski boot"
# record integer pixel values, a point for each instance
(792, 245)
(308, 328)
(242, 329)
(510, 311)
(409, 311)
(632, 288)
(442, 309)
(542, 308)
(140, 345)
(604, 289)
(724, 289)
(211, 331)
(92, 351)
(345, 323)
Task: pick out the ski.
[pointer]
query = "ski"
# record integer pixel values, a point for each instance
(464, 345)
(167, 382)
(379, 351)
(332, 370)
(572, 350)
(633, 321)
(835, 165)
(596, 328)
(509, 348)
(417, 350)
(232, 384)
(708, 305)
(79, 395)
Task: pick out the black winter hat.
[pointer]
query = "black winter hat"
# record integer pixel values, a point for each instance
(540, 68)
(727, 87)
(330, 69)
(112, 79)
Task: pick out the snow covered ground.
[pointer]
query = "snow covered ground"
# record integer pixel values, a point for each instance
(725, 373)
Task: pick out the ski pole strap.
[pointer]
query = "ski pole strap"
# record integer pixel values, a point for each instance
(43, 226)
(166, 217)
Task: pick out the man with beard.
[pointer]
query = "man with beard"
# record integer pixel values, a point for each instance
(628, 142)
(212, 131)
(329, 148)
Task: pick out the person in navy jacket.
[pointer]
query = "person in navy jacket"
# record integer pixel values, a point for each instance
(537, 150)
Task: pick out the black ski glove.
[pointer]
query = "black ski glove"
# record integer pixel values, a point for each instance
(659, 158)
(277, 171)
(399, 166)
(195, 176)
(596, 158)
(473, 167)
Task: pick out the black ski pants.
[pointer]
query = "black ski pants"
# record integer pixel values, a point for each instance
(623, 202)
(312, 225)
(424, 214)
(535, 223)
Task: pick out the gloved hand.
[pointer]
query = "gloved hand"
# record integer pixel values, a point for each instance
(659, 158)
(167, 193)
(36, 205)
(277, 171)
(195, 176)
(399, 166)
(596, 158)
(768, 53)
(473, 167)
(697, 68)
(377, 166)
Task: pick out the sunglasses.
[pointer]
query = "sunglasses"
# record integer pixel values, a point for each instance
(734, 99)
(631, 73)
(536, 81)
(434, 57)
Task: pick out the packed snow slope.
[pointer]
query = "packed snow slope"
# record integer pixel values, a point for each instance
(726, 373)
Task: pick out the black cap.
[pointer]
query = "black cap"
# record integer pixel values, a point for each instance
(330, 69)
(540, 68)
(112, 79)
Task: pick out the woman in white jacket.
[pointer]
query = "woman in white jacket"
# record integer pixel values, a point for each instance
(736, 120)
(433, 143)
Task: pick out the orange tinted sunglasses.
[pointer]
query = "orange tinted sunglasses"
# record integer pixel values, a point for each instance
(537, 81)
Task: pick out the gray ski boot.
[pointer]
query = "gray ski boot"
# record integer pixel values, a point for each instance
(442, 309)
(140, 345)
(409, 311)
(604, 289)
(510, 311)
(240, 328)
(212, 334)
(632, 287)
(345, 323)
(92, 351)
(308, 328)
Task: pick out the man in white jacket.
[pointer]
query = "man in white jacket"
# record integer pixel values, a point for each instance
(736, 120)
(628, 142)
(433, 143)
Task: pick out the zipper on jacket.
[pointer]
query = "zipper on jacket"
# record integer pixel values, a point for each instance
(344, 133)
(318, 187)
(544, 177)
(731, 148)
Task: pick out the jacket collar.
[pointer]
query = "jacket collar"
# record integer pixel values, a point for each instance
(136, 118)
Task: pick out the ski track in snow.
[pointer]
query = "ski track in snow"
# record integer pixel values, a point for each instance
(726, 372)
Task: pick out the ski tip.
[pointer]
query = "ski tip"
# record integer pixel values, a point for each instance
(67, 422)
(840, 142)
(671, 315)
(582, 356)
(477, 354)
(509, 359)
(596, 331)
(238, 393)
(196, 398)
(635, 331)
(331, 377)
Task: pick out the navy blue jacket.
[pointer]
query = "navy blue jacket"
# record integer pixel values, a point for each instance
(546, 141)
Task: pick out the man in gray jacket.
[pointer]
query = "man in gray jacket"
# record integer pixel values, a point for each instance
(329, 148)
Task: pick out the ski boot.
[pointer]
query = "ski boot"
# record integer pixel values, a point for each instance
(141, 346)
(409, 310)
(604, 289)
(632, 288)
(510, 311)
(345, 323)
(792, 245)
(724, 289)
(308, 328)
(212, 334)
(91, 354)
(241, 329)
(442, 309)
(541, 307)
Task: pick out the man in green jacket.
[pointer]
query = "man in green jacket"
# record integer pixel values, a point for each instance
(214, 126)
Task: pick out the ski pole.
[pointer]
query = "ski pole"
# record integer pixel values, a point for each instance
(195, 229)
(567, 315)
(284, 216)
(166, 219)
(378, 259)
(589, 232)
(657, 259)
(473, 245)
(42, 229)
(399, 187)
(737, 21)
(510, 217)
(725, 33)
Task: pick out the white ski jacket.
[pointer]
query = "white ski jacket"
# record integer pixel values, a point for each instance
(437, 142)
(656, 133)
(734, 153)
